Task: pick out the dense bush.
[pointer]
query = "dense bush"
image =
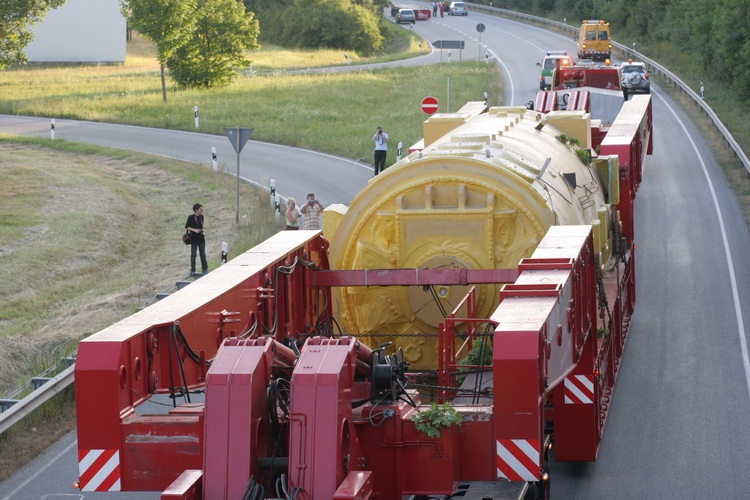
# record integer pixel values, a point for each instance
(332, 24)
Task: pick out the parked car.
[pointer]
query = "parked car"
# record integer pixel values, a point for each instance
(634, 78)
(458, 9)
(405, 16)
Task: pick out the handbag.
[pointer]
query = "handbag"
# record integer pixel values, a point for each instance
(186, 237)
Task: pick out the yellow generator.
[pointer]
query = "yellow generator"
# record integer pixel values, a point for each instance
(480, 194)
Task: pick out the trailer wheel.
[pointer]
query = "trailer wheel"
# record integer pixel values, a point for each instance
(538, 490)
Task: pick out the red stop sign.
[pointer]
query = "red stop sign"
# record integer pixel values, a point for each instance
(429, 105)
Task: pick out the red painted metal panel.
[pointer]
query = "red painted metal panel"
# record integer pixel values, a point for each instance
(546, 101)
(236, 406)
(477, 450)
(631, 139)
(543, 323)
(356, 486)
(321, 414)
(579, 100)
(413, 277)
(156, 449)
(186, 487)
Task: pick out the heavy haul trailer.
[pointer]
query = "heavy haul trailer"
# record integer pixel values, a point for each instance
(318, 352)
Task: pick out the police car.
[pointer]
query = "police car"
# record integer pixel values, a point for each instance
(552, 59)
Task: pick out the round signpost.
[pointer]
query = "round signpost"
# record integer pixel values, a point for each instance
(480, 29)
(430, 105)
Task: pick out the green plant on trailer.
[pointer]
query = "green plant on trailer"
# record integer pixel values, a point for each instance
(430, 421)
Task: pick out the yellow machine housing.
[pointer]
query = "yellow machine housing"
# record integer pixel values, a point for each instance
(481, 196)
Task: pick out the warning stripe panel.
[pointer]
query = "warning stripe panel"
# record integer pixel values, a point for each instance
(518, 459)
(579, 390)
(99, 470)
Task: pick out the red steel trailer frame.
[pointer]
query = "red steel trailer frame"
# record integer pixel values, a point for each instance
(335, 418)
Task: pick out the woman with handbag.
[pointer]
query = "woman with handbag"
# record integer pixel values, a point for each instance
(194, 226)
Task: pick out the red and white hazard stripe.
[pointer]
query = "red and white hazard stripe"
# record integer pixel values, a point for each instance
(99, 470)
(518, 459)
(579, 390)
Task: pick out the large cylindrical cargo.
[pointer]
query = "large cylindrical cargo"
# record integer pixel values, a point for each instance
(480, 196)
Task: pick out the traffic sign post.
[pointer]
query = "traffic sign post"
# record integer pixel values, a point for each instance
(238, 136)
(430, 105)
(480, 29)
(449, 44)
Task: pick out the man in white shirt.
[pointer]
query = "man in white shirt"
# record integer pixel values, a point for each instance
(381, 149)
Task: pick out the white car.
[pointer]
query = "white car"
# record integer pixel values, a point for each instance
(458, 9)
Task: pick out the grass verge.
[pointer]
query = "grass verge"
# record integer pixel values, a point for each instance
(92, 234)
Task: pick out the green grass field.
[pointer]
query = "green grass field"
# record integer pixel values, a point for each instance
(332, 112)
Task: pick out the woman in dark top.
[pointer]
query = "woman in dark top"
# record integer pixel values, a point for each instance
(194, 225)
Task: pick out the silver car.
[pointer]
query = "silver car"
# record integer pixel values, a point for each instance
(634, 78)
(458, 9)
(405, 16)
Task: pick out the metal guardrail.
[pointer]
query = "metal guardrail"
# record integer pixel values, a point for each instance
(44, 393)
(629, 53)
(13, 410)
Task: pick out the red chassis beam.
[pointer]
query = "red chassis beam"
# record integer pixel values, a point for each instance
(412, 277)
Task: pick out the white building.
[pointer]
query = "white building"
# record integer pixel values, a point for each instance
(81, 31)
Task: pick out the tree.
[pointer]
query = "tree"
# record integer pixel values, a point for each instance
(336, 24)
(222, 32)
(16, 19)
(167, 23)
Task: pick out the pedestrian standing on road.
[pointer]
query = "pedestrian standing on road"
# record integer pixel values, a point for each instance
(442, 9)
(194, 225)
(381, 149)
(292, 215)
(312, 213)
(434, 9)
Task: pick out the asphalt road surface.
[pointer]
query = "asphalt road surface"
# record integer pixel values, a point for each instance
(676, 429)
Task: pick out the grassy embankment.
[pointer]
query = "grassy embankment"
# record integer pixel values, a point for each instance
(89, 234)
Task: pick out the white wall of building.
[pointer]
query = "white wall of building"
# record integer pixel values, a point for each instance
(84, 31)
